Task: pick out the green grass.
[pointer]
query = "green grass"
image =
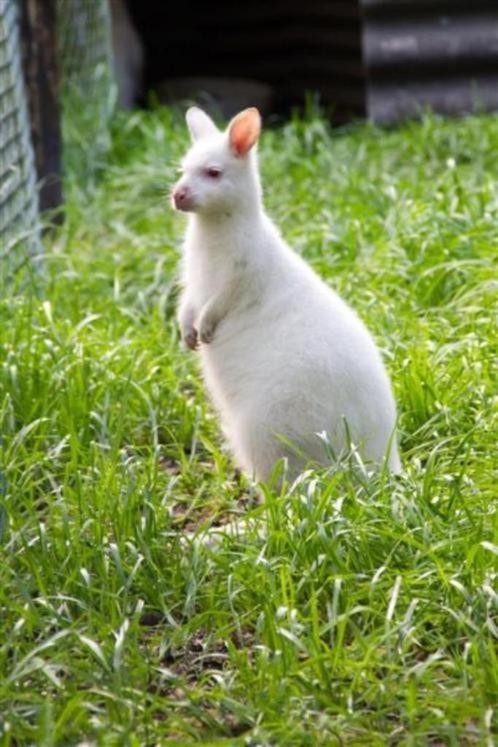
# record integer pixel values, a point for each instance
(368, 614)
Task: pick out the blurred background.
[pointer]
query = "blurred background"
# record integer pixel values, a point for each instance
(66, 65)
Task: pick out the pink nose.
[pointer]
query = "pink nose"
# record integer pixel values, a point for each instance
(180, 196)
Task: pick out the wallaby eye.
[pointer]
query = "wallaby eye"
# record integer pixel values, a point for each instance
(212, 172)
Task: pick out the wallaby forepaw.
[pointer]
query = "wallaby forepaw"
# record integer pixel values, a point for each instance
(207, 336)
(191, 339)
(206, 331)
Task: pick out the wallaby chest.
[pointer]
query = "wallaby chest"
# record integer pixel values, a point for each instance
(208, 274)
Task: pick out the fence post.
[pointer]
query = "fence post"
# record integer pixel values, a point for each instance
(38, 31)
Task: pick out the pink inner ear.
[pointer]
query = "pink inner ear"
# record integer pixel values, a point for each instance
(244, 131)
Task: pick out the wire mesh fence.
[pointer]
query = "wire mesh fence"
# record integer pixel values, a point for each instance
(84, 57)
(18, 194)
(87, 91)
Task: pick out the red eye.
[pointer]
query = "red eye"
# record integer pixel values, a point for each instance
(213, 172)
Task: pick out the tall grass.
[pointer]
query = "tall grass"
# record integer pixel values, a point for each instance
(365, 613)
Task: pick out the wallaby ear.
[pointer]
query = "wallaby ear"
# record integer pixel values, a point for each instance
(244, 130)
(199, 123)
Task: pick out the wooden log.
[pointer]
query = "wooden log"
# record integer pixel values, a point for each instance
(42, 87)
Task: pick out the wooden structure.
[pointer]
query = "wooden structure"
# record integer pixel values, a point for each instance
(440, 54)
(296, 48)
(39, 43)
(381, 59)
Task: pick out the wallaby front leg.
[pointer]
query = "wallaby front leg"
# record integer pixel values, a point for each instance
(211, 315)
(186, 319)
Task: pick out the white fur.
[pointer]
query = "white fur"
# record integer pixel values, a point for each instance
(282, 354)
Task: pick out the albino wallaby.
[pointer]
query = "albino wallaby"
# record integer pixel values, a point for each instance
(283, 357)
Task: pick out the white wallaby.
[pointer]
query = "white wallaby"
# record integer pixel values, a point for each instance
(284, 358)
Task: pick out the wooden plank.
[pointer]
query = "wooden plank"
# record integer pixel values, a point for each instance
(441, 55)
(331, 38)
(392, 100)
(432, 40)
(41, 76)
(388, 7)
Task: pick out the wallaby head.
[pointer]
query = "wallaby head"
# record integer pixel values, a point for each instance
(219, 172)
